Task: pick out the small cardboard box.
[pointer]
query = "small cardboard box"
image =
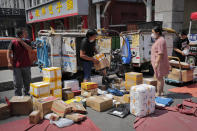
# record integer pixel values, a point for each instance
(4, 111)
(176, 74)
(34, 117)
(103, 62)
(78, 108)
(21, 105)
(76, 117)
(88, 93)
(99, 103)
(119, 99)
(73, 84)
(97, 79)
(40, 89)
(60, 108)
(67, 95)
(150, 81)
(57, 93)
(89, 85)
(134, 77)
(44, 105)
(126, 98)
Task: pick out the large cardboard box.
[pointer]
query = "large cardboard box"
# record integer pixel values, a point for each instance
(4, 111)
(60, 108)
(103, 62)
(129, 84)
(89, 85)
(44, 105)
(76, 117)
(88, 93)
(34, 117)
(176, 74)
(150, 81)
(78, 108)
(21, 105)
(67, 95)
(99, 103)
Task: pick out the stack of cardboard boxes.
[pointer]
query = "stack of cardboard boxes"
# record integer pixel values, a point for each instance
(133, 79)
(53, 76)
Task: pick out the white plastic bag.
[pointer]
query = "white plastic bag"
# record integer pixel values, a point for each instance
(62, 122)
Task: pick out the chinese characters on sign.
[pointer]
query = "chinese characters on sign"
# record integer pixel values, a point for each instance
(11, 11)
(59, 5)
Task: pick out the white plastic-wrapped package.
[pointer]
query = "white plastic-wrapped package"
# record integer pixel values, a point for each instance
(97, 79)
(142, 101)
(73, 84)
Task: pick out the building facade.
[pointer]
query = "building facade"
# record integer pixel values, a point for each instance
(175, 14)
(12, 16)
(59, 14)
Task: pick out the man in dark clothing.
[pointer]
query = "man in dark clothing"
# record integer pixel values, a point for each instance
(18, 57)
(180, 44)
(87, 51)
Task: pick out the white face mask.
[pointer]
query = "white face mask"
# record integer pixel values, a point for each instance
(91, 41)
(153, 36)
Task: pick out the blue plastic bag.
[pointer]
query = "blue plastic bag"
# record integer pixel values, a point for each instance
(126, 59)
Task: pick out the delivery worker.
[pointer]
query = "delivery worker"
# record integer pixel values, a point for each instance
(179, 45)
(18, 58)
(87, 51)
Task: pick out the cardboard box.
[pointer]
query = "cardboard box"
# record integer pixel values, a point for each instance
(4, 111)
(57, 84)
(129, 84)
(150, 81)
(76, 117)
(78, 108)
(21, 105)
(119, 99)
(40, 89)
(88, 93)
(99, 103)
(97, 79)
(51, 73)
(66, 89)
(57, 93)
(134, 77)
(60, 108)
(176, 74)
(34, 117)
(89, 85)
(67, 95)
(44, 105)
(73, 84)
(126, 98)
(103, 62)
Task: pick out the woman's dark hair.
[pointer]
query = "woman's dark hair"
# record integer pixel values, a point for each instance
(19, 32)
(158, 29)
(91, 32)
(183, 32)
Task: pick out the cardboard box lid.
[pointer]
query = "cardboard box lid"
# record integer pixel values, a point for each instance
(20, 99)
(149, 79)
(2, 105)
(133, 74)
(98, 99)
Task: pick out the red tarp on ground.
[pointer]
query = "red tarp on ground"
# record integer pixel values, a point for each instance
(192, 89)
(22, 125)
(164, 120)
(194, 16)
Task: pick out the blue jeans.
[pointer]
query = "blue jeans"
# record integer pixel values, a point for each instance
(87, 67)
(22, 79)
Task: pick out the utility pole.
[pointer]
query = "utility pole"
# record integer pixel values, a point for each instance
(148, 4)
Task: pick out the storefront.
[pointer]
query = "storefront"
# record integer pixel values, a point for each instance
(59, 14)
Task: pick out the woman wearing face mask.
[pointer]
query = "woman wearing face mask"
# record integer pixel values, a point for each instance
(159, 59)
